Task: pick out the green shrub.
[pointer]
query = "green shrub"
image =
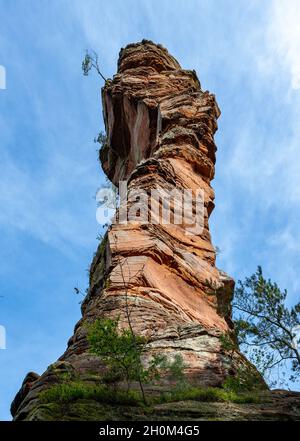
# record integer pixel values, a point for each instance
(246, 379)
(210, 394)
(121, 351)
(66, 393)
(63, 393)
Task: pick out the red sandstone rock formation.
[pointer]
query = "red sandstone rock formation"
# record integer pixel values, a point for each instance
(160, 129)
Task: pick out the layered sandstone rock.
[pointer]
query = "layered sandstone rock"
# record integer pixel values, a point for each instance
(160, 129)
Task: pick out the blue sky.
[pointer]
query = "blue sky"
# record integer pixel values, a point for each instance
(246, 52)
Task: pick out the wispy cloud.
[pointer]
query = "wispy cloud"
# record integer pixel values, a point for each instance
(258, 181)
(284, 37)
(43, 206)
(48, 160)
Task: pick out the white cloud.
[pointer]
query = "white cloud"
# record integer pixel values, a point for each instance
(42, 205)
(48, 164)
(284, 36)
(287, 240)
(258, 180)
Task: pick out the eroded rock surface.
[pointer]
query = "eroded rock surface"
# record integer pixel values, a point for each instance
(160, 129)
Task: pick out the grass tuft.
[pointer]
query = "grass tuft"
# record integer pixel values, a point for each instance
(210, 394)
(65, 393)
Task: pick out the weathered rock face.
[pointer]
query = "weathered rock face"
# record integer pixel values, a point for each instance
(160, 127)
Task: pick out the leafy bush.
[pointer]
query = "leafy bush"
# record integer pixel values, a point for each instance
(119, 350)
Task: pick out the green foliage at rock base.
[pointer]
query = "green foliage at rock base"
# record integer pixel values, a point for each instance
(65, 393)
(210, 394)
(245, 380)
(121, 351)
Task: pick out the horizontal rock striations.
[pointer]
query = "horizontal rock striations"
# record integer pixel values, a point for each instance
(160, 129)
